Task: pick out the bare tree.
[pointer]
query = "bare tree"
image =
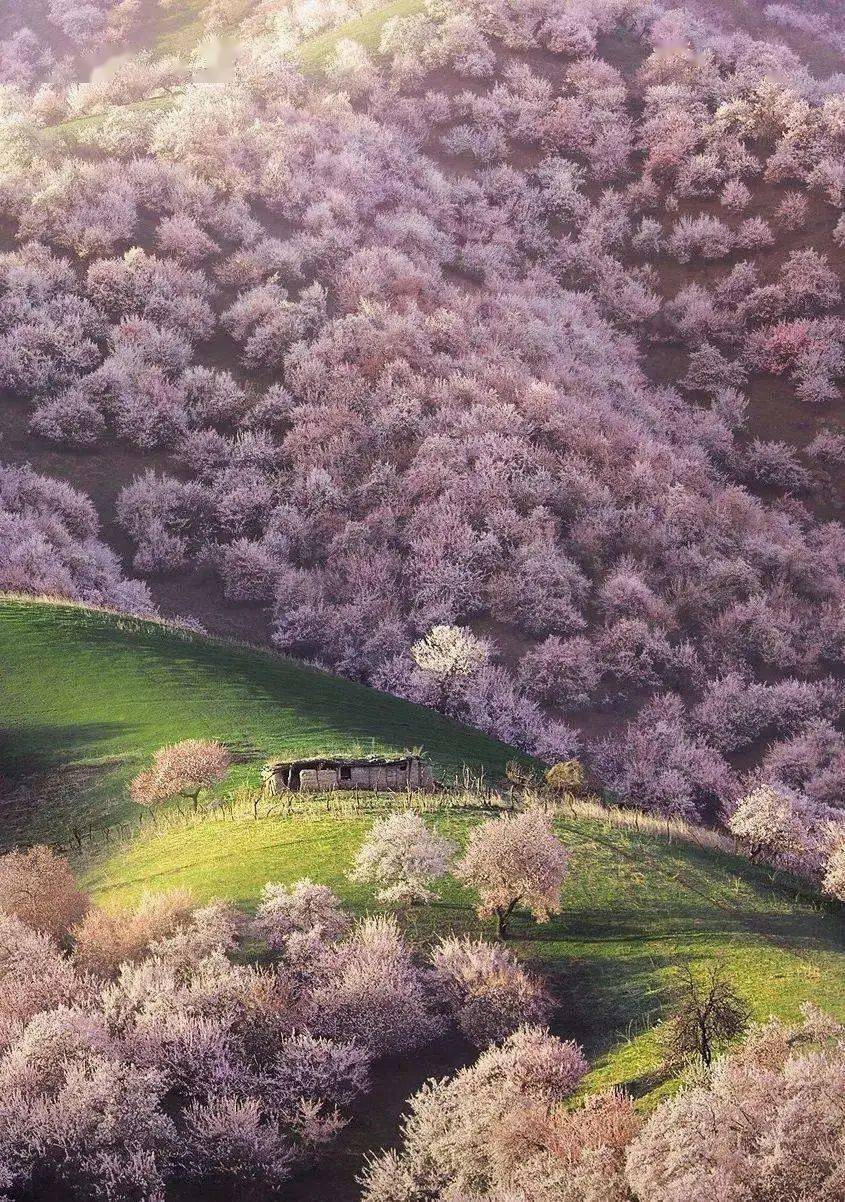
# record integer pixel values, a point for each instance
(709, 1012)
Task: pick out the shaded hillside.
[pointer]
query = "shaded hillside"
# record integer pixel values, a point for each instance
(87, 697)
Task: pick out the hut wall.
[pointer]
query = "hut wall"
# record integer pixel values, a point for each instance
(412, 773)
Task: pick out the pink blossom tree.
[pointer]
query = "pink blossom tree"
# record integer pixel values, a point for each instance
(514, 861)
(302, 909)
(38, 887)
(185, 769)
(446, 1139)
(487, 991)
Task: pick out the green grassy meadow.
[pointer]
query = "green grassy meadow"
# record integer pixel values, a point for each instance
(635, 906)
(87, 698)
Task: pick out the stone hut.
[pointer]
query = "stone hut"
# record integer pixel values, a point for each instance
(321, 774)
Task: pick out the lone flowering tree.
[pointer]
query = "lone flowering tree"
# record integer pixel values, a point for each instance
(448, 654)
(403, 856)
(515, 861)
(767, 823)
(184, 769)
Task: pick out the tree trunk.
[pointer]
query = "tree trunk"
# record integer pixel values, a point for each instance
(503, 914)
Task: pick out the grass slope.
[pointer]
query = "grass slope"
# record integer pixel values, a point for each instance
(634, 906)
(313, 54)
(87, 697)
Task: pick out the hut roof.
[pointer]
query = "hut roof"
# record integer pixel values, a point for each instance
(339, 761)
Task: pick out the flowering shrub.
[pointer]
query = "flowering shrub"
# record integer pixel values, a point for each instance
(402, 856)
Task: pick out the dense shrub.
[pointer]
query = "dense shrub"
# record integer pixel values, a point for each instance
(37, 887)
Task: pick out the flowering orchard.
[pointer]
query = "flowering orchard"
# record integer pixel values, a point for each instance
(393, 339)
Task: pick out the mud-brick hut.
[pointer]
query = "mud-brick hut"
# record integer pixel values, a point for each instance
(372, 774)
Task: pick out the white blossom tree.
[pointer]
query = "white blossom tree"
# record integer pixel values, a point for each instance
(450, 654)
(766, 822)
(834, 875)
(402, 856)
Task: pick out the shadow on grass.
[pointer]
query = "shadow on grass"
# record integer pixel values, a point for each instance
(51, 778)
(30, 750)
(267, 682)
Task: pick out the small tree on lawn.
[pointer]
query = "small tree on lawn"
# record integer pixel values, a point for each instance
(184, 769)
(403, 856)
(515, 861)
(709, 1013)
(448, 654)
